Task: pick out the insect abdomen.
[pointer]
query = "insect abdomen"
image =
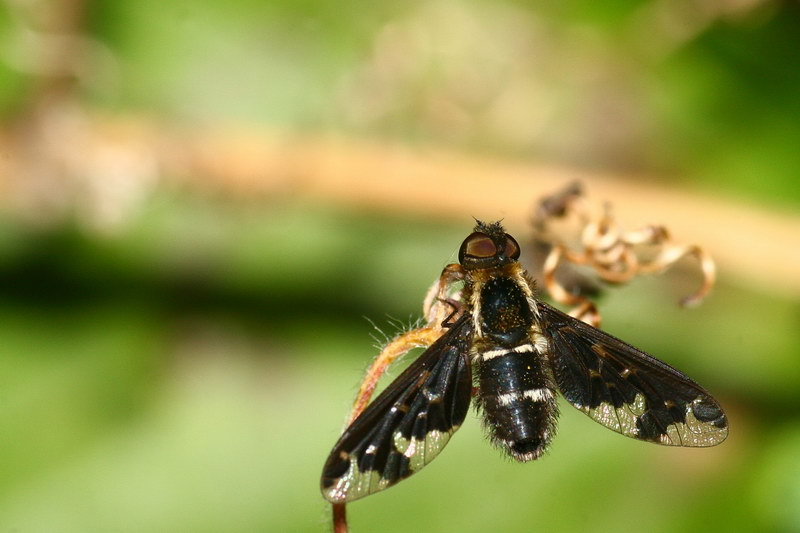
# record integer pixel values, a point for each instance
(519, 404)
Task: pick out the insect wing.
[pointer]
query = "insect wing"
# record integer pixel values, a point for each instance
(627, 390)
(407, 426)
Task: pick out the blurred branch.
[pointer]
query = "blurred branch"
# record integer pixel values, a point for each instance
(750, 243)
(51, 47)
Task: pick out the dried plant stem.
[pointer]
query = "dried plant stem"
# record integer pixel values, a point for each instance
(611, 252)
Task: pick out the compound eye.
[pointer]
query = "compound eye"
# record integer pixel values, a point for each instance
(477, 246)
(512, 247)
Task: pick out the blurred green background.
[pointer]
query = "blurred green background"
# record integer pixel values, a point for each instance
(180, 357)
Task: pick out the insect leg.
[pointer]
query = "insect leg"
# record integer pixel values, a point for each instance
(439, 308)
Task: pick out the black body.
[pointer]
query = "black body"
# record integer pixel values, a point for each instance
(516, 395)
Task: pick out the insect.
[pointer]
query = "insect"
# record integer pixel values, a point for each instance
(513, 353)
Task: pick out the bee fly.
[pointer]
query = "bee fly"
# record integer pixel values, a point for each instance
(522, 351)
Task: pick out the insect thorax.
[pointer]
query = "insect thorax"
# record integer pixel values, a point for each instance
(505, 315)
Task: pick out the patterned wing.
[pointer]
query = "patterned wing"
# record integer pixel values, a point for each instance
(627, 390)
(407, 426)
